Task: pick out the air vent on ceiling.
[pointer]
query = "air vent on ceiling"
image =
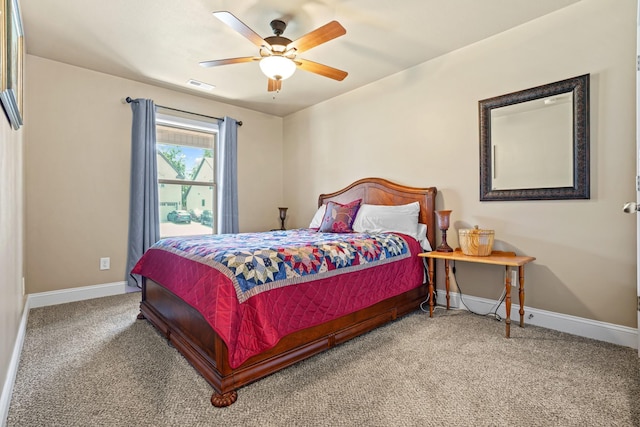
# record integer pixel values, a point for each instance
(200, 85)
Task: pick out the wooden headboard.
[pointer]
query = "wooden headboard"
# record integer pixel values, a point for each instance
(378, 191)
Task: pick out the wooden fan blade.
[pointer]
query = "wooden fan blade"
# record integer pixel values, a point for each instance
(318, 36)
(230, 19)
(323, 70)
(274, 85)
(216, 62)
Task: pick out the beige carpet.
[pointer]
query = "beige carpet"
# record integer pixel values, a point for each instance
(92, 363)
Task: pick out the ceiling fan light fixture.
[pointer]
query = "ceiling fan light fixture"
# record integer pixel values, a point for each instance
(277, 67)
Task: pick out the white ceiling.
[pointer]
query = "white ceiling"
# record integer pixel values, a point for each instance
(161, 42)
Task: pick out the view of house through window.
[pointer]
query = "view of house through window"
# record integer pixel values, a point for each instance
(186, 175)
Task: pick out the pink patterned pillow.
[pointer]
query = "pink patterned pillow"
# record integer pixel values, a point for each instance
(339, 218)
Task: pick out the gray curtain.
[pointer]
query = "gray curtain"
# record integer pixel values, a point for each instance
(144, 217)
(227, 176)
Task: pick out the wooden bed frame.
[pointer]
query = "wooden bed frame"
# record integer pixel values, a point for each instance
(188, 331)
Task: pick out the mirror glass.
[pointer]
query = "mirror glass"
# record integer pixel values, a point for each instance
(534, 143)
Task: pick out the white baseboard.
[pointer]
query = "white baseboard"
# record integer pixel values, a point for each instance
(43, 299)
(602, 331)
(7, 388)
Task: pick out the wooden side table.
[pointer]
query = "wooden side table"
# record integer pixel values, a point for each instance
(508, 259)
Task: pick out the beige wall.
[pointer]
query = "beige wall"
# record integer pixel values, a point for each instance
(11, 240)
(420, 127)
(77, 149)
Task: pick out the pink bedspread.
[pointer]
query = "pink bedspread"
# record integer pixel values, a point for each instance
(257, 324)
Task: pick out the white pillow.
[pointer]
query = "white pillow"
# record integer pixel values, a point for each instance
(380, 219)
(422, 237)
(316, 221)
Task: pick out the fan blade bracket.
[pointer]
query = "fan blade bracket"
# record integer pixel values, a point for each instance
(265, 52)
(290, 53)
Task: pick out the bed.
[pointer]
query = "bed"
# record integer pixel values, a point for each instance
(178, 311)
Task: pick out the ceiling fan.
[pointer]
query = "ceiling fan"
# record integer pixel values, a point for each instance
(278, 55)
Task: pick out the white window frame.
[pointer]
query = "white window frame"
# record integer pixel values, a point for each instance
(199, 125)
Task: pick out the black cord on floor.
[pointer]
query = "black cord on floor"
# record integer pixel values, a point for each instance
(493, 313)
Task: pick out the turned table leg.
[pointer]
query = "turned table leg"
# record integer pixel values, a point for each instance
(507, 301)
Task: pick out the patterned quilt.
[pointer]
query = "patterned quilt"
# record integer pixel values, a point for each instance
(253, 289)
(259, 262)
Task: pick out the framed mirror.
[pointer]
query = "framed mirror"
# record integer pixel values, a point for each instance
(534, 144)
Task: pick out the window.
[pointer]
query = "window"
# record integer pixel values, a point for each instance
(186, 157)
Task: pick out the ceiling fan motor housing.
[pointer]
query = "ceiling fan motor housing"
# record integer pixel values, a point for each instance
(278, 26)
(278, 43)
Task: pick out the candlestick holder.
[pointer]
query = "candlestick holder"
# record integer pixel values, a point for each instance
(283, 216)
(443, 224)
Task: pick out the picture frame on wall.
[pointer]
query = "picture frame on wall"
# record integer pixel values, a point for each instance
(11, 60)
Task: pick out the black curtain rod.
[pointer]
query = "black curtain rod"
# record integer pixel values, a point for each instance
(130, 100)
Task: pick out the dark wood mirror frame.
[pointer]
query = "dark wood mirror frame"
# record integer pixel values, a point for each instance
(579, 86)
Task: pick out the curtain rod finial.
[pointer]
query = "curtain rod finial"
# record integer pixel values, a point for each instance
(126, 100)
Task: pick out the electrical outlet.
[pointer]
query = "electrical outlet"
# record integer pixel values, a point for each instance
(105, 263)
(514, 278)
